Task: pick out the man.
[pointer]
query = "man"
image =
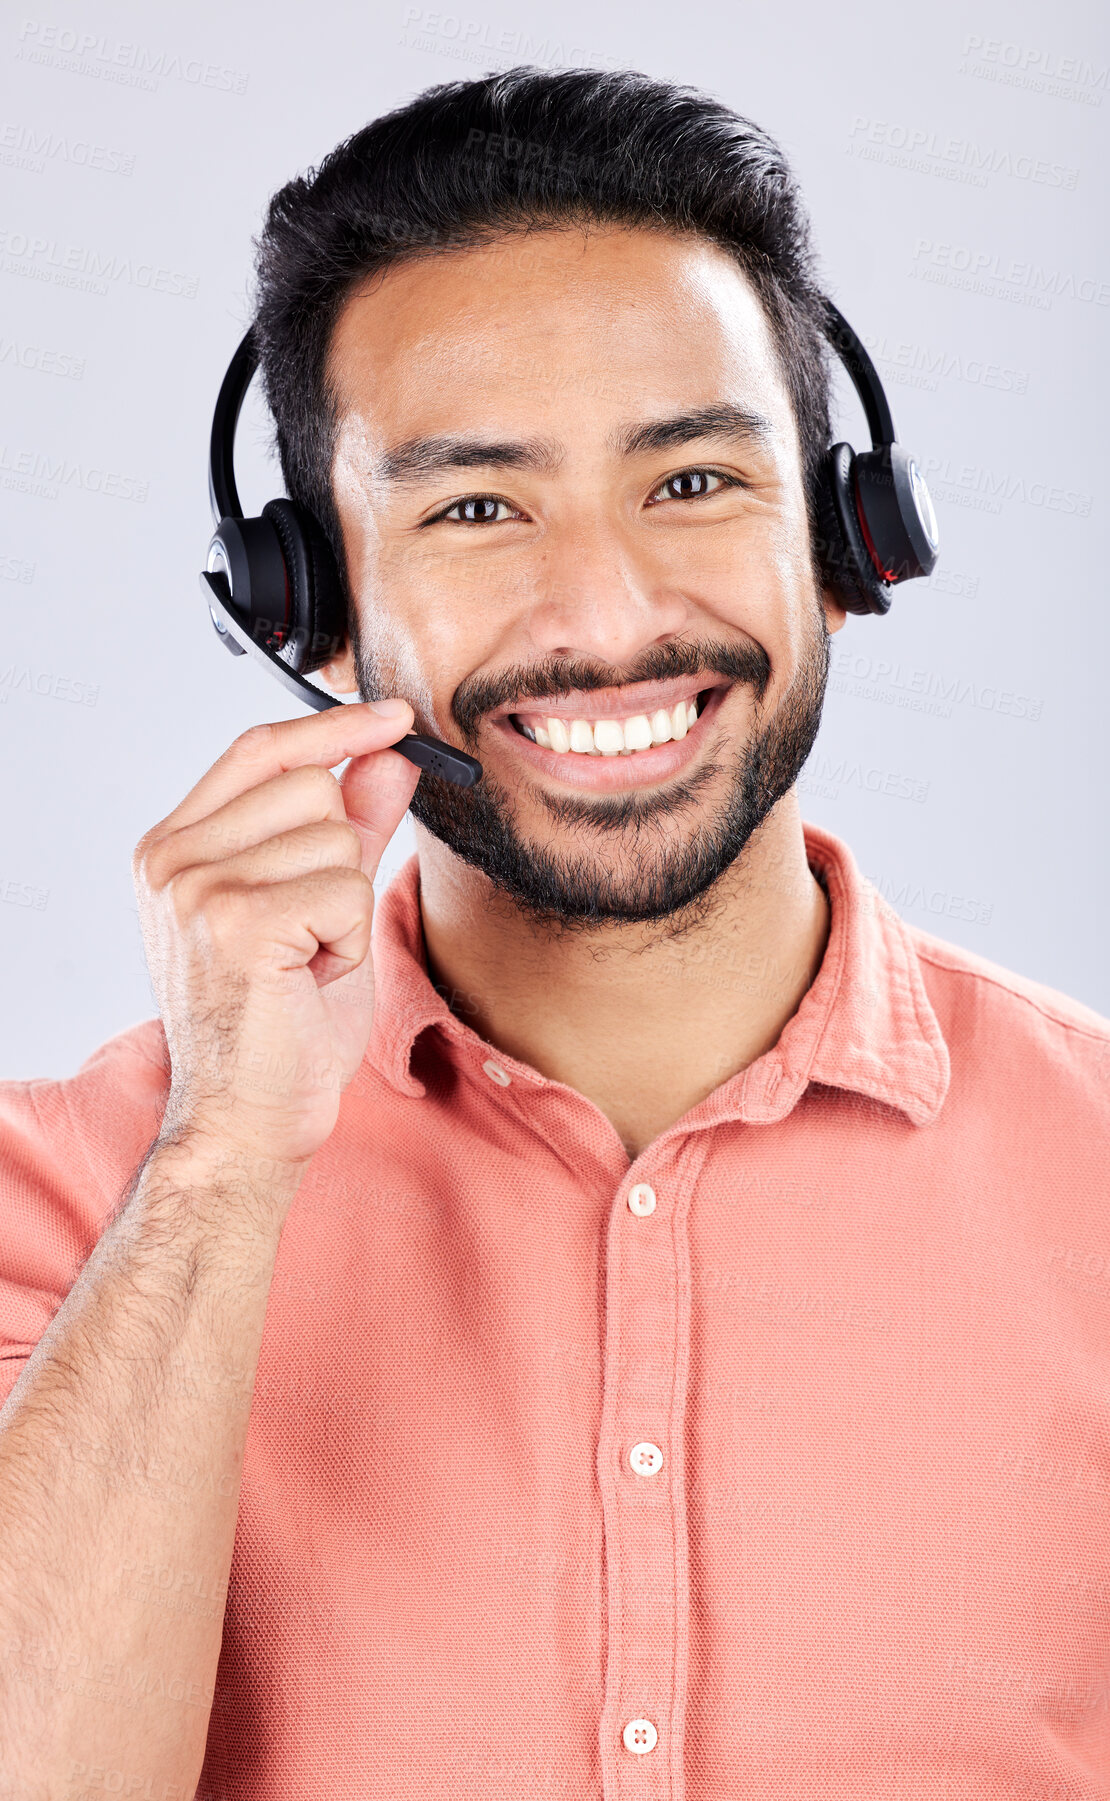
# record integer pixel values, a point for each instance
(641, 1332)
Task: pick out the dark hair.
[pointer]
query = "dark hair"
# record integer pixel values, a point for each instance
(467, 161)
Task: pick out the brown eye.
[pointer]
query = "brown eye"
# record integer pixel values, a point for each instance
(478, 509)
(692, 481)
(691, 484)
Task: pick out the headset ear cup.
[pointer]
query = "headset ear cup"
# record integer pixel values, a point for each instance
(829, 541)
(850, 571)
(318, 610)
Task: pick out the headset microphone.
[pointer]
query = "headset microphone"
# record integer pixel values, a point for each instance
(273, 587)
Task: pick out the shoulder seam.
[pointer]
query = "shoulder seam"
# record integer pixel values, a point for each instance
(981, 975)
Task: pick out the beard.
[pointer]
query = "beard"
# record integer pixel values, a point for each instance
(643, 866)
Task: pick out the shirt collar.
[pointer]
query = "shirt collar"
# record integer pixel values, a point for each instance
(865, 1023)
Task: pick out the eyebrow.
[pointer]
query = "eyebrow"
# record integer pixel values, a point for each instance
(719, 421)
(416, 458)
(419, 457)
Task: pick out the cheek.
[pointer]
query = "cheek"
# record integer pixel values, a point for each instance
(763, 586)
(424, 642)
(388, 653)
(758, 577)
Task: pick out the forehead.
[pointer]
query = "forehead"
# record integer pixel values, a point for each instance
(624, 321)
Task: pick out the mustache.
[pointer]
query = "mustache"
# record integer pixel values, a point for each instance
(747, 662)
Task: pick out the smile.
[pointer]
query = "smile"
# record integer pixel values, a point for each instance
(612, 751)
(609, 737)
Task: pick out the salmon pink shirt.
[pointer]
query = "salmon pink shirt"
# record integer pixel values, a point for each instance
(773, 1466)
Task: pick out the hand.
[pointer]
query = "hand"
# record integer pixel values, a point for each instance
(256, 901)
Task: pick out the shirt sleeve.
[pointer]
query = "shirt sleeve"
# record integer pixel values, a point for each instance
(68, 1151)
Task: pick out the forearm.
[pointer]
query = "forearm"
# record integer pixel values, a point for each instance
(121, 1450)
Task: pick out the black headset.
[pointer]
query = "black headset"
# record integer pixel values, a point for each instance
(273, 586)
(876, 522)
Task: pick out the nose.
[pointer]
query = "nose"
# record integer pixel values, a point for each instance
(599, 598)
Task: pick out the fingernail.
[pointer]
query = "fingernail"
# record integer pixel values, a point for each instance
(390, 709)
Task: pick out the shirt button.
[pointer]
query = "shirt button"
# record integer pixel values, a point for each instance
(645, 1458)
(640, 1735)
(496, 1074)
(641, 1200)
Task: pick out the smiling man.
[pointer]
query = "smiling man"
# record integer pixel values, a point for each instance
(638, 1333)
(624, 627)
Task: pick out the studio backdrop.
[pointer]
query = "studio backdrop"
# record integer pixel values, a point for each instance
(954, 168)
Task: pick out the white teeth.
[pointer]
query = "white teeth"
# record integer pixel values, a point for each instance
(614, 737)
(637, 732)
(608, 737)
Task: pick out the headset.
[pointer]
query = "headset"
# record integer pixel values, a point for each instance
(273, 587)
(272, 583)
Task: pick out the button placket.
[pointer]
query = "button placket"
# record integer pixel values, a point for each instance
(647, 1333)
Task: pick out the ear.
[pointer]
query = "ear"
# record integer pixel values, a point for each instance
(835, 614)
(339, 671)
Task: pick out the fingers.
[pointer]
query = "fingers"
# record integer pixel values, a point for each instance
(305, 792)
(277, 928)
(324, 739)
(376, 793)
(253, 897)
(297, 797)
(321, 844)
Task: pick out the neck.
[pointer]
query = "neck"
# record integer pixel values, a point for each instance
(643, 1021)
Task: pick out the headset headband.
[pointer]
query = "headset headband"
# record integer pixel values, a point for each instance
(222, 491)
(865, 377)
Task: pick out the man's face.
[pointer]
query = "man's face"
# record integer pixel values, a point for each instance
(569, 483)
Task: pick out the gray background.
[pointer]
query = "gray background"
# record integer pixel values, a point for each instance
(950, 156)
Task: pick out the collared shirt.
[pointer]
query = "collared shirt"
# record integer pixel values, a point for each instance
(774, 1464)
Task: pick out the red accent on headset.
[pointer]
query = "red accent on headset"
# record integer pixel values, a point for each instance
(887, 574)
(277, 637)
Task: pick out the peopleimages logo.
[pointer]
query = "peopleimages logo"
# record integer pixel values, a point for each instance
(474, 40)
(973, 485)
(1037, 70)
(937, 153)
(17, 678)
(824, 776)
(79, 266)
(131, 65)
(909, 896)
(23, 894)
(923, 690)
(46, 362)
(1003, 278)
(28, 147)
(38, 473)
(920, 365)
